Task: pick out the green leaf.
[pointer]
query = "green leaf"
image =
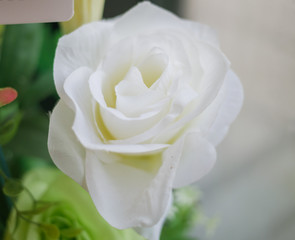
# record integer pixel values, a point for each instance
(20, 54)
(2, 228)
(61, 221)
(10, 118)
(186, 212)
(40, 89)
(8, 236)
(16, 225)
(38, 210)
(51, 231)
(31, 137)
(12, 187)
(71, 232)
(22, 164)
(51, 37)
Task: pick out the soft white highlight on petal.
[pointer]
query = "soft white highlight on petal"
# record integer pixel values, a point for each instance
(122, 127)
(132, 149)
(96, 87)
(197, 158)
(64, 148)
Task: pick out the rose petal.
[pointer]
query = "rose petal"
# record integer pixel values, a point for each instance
(215, 67)
(86, 46)
(130, 197)
(154, 232)
(132, 149)
(202, 32)
(153, 66)
(133, 99)
(145, 17)
(172, 112)
(150, 133)
(114, 67)
(77, 89)
(232, 99)
(64, 148)
(122, 127)
(132, 84)
(184, 94)
(84, 126)
(197, 158)
(119, 125)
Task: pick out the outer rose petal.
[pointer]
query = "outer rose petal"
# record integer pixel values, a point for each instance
(84, 47)
(202, 32)
(145, 17)
(129, 197)
(77, 90)
(197, 158)
(154, 232)
(231, 106)
(215, 66)
(215, 120)
(64, 148)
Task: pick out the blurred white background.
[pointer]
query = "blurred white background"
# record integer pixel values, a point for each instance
(252, 187)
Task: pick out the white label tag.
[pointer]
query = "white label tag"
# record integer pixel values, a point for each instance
(33, 11)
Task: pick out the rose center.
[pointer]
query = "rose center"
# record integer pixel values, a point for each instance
(152, 67)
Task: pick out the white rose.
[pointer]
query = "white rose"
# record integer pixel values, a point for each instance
(145, 98)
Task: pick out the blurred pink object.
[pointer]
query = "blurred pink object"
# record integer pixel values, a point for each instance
(7, 95)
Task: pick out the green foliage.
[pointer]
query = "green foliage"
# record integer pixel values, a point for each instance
(12, 187)
(71, 232)
(26, 64)
(37, 210)
(52, 206)
(47, 53)
(20, 54)
(26, 61)
(10, 117)
(51, 231)
(40, 89)
(30, 140)
(1, 35)
(183, 215)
